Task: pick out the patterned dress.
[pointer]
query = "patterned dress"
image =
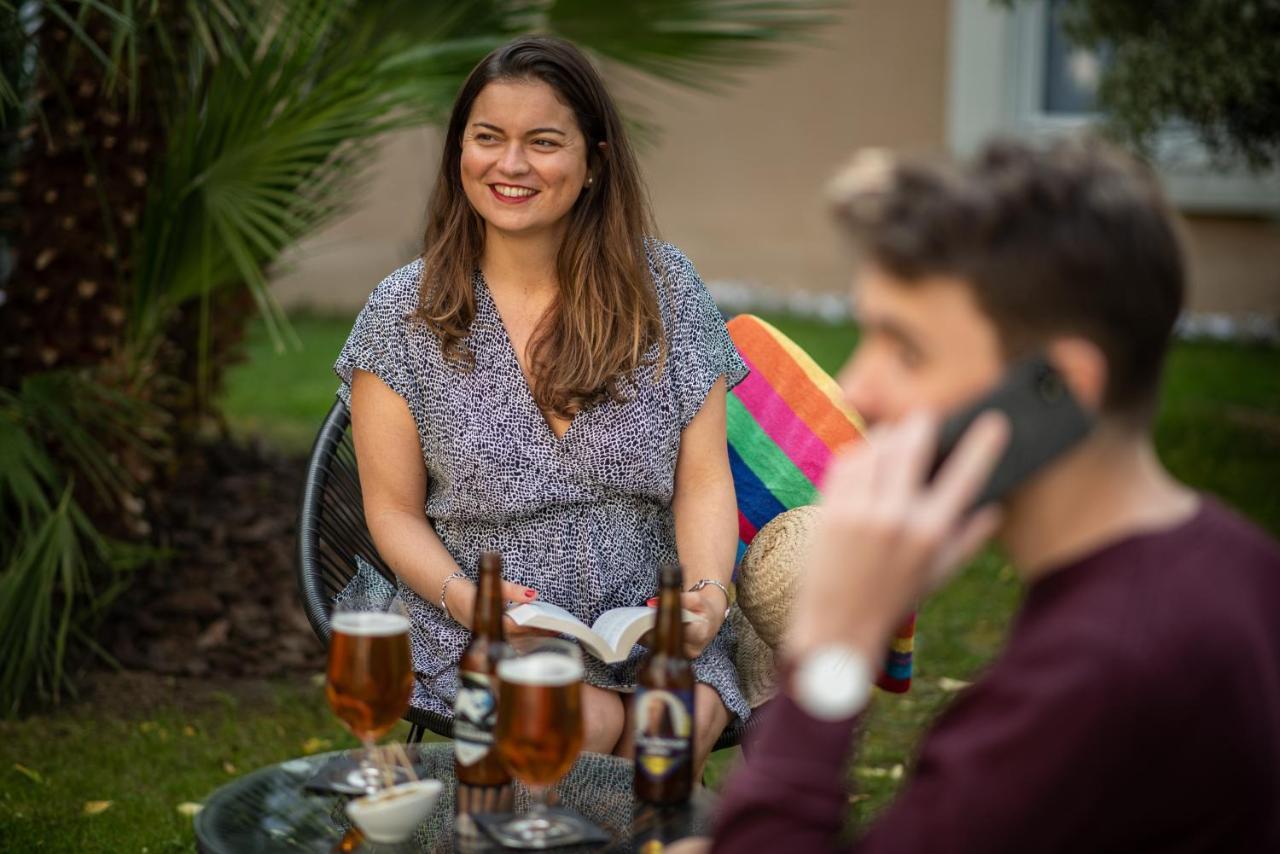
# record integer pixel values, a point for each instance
(584, 519)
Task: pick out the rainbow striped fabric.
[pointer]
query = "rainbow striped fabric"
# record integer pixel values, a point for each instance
(785, 421)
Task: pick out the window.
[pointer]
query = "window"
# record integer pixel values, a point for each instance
(1014, 71)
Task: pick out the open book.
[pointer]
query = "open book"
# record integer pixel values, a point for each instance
(611, 637)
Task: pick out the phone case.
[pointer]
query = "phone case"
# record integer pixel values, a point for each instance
(1045, 420)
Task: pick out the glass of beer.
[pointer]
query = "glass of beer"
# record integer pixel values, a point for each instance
(539, 735)
(369, 677)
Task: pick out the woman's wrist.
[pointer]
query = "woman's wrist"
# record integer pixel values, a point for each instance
(715, 593)
(454, 585)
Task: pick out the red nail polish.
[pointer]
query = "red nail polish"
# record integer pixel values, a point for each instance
(528, 594)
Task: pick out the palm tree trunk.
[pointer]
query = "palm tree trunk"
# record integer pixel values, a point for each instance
(78, 184)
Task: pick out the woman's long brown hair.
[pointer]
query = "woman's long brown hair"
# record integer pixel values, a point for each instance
(605, 318)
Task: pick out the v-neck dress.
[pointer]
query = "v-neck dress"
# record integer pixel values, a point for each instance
(584, 519)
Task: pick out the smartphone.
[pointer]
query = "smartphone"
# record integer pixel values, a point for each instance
(1045, 421)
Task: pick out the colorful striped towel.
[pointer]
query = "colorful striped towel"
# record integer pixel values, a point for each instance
(785, 421)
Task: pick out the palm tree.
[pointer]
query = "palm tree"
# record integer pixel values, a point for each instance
(160, 155)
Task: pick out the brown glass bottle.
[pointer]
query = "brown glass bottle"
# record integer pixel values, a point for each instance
(663, 711)
(475, 713)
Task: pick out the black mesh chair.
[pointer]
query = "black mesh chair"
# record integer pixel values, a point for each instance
(332, 532)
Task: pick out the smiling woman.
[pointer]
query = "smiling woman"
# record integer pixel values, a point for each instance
(512, 165)
(548, 382)
(538, 183)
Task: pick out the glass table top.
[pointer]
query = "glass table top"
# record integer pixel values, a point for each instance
(273, 809)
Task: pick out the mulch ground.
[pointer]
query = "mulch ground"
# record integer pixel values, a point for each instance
(224, 603)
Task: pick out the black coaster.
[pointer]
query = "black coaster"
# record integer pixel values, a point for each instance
(572, 829)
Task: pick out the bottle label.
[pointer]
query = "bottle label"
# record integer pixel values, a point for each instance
(664, 731)
(475, 714)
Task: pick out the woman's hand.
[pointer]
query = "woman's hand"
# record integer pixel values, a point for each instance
(461, 599)
(708, 604)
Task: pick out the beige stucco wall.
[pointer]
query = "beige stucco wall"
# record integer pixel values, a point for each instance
(737, 180)
(736, 177)
(1235, 265)
(337, 268)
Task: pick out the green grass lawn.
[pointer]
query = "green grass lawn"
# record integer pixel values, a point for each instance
(1219, 429)
(283, 396)
(114, 776)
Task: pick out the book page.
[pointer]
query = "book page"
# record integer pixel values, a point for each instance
(611, 638)
(622, 627)
(525, 614)
(553, 618)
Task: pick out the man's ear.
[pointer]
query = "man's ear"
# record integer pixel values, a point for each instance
(1083, 367)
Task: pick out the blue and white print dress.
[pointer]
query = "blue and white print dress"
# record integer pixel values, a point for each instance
(584, 519)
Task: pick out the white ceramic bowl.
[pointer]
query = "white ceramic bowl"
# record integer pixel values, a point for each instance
(393, 814)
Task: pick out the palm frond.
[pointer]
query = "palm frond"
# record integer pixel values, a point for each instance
(118, 34)
(695, 43)
(85, 418)
(58, 573)
(245, 179)
(26, 473)
(47, 579)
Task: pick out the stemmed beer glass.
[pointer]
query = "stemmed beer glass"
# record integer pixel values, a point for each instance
(369, 678)
(540, 734)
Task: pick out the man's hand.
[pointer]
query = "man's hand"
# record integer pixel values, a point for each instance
(886, 537)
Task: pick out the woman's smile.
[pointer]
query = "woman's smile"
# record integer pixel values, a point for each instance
(512, 194)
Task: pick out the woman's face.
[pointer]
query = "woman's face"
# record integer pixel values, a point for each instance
(524, 159)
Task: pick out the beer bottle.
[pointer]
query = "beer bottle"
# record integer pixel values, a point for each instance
(664, 704)
(475, 713)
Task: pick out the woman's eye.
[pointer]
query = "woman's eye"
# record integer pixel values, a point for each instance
(484, 137)
(546, 143)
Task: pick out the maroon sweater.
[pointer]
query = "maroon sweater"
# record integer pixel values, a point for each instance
(1136, 708)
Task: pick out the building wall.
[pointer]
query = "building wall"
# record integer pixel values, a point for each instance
(1235, 265)
(737, 176)
(338, 267)
(738, 179)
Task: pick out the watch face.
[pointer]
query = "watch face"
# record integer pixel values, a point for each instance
(833, 683)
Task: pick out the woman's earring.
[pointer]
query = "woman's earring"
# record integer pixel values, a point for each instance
(590, 181)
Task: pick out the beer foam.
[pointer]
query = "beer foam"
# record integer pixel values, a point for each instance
(370, 624)
(540, 668)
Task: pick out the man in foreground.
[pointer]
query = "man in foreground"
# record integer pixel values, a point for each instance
(1136, 706)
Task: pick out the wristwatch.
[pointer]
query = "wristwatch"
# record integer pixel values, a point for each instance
(832, 683)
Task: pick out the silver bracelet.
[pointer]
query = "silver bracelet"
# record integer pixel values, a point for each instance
(444, 587)
(725, 590)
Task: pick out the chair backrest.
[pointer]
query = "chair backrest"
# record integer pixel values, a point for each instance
(331, 525)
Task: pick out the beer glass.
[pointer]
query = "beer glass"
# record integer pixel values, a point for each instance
(539, 735)
(369, 677)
